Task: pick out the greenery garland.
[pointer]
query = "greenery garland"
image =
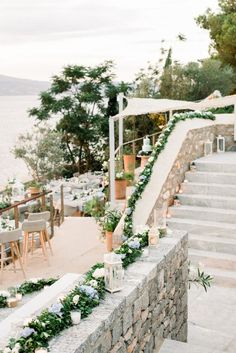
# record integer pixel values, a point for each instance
(145, 176)
(37, 332)
(27, 287)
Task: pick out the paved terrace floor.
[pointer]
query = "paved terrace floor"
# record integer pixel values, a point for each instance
(76, 246)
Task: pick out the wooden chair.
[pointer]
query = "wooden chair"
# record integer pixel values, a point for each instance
(12, 238)
(37, 217)
(29, 228)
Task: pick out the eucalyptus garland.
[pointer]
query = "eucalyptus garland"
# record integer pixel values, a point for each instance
(145, 176)
(27, 287)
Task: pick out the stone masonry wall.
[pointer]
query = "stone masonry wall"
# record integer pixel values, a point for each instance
(192, 148)
(151, 306)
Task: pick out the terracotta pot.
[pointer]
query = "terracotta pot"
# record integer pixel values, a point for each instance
(32, 190)
(129, 163)
(120, 189)
(109, 241)
(144, 160)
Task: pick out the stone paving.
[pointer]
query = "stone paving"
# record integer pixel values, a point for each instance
(212, 318)
(76, 246)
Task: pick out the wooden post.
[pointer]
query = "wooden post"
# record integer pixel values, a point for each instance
(43, 202)
(16, 216)
(62, 204)
(153, 140)
(51, 215)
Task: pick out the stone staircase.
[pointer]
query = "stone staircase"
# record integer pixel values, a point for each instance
(170, 346)
(208, 213)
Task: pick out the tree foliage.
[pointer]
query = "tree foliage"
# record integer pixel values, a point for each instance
(222, 30)
(42, 152)
(76, 100)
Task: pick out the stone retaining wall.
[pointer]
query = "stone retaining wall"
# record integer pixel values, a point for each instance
(151, 306)
(192, 148)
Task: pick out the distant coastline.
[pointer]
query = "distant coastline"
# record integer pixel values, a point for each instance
(13, 86)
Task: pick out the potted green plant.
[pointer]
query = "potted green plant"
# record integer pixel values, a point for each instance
(120, 185)
(110, 222)
(129, 159)
(34, 187)
(129, 178)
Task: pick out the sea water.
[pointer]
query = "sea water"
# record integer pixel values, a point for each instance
(14, 120)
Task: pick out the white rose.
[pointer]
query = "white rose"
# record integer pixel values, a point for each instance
(151, 159)
(5, 293)
(75, 299)
(99, 272)
(93, 283)
(7, 350)
(61, 298)
(27, 321)
(35, 280)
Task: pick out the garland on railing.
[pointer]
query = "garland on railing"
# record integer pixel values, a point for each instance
(147, 172)
(27, 287)
(37, 332)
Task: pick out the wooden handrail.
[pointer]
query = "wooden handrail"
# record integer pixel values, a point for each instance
(23, 202)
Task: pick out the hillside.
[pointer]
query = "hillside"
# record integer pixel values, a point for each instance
(12, 86)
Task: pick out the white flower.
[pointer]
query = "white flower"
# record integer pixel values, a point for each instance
(16, 348)
(130, 251)
(5, 293)
(7, 350)
(61, 298)
(27, 321)
(151, 159)
(75, 299)
(93, 283)
(99, 272)
(35, 280)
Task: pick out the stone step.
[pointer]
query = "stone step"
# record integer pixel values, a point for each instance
(207, 166)
(170, 346)
(222, 277)
(211, 177)
(194, 226)
(212, 243)
(209, 189)
(208, 201)
(34, 306)
(204, 213)
(213, 259)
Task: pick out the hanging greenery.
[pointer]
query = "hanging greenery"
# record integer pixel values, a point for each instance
(147, 172)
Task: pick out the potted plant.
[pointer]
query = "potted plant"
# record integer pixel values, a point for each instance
(110, 222)
(144, 157)
(33, 187)
(120, 185)
(129, 159)
(129, 178)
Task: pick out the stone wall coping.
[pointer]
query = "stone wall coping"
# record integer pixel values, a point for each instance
(78, 339)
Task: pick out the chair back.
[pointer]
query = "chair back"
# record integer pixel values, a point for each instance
(10, 235)
(45, 216)
(34, 226)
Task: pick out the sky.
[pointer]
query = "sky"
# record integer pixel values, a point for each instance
(39, 37)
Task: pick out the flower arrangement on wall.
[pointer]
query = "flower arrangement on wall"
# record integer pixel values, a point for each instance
(38, 331)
